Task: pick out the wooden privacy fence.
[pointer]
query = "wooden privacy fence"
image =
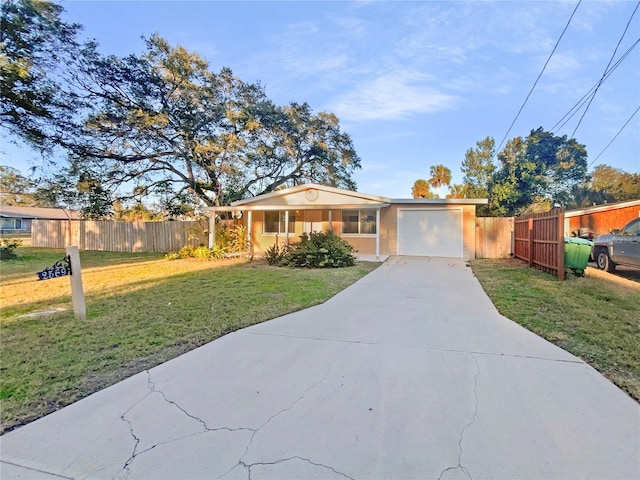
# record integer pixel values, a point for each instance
(539, 240)
(113, 236)
(494, 237)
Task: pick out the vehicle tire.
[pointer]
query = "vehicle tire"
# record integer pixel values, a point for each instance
(604, 262)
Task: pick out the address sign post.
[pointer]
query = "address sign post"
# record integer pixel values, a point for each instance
(69, 265)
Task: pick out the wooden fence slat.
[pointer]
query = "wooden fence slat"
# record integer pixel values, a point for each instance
(159, 237)
(495, 237)
(542, 245)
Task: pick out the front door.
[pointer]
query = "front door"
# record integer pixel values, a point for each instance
(312, 221)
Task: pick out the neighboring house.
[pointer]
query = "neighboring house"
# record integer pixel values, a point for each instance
(373, 225)
(17, 220)
(600, 219)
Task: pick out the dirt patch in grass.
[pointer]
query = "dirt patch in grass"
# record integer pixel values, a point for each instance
(593, 317)
(142, 310)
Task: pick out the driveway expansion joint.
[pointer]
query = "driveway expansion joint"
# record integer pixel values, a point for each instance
(31, 469)
(459, 466)
(577, 361)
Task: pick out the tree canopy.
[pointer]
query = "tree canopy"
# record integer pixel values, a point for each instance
(537, 173)
(610, 184)
(421, 189)
(161, 124)
(541, 167)
(440, 176)
(478, 168)
(167, 124)
(34, 44)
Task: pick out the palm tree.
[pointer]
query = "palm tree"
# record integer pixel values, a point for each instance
(421, 189)
(458, 191)
(440, 175)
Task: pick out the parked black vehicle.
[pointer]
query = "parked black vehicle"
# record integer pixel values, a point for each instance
(620, 247)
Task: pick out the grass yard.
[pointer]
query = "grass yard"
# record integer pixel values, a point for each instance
(141, 311)
(596, 317)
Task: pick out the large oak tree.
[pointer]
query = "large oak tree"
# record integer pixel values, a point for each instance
(164, 122)
(36, 45)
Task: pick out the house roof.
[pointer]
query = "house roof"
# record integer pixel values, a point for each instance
(441, 201)
(601, 208)
(13, 211)
(320, 197)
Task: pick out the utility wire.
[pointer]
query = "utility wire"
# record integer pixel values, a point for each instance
(615, 136)
(540, 75)
(605, 70)
(569, 115)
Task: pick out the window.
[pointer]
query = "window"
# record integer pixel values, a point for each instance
(359, 222)
(10, 223)
(274, 221)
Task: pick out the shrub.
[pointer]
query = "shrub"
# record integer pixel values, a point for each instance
(201, 252)
(318, 250)
(7, 248)
(275, 255)
(237, 239)
(232, 239)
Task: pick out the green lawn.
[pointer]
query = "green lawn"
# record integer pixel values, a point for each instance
(595, 317)
(142, 310)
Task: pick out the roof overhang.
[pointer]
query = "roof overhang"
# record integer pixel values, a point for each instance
(601, 208)
(441, 201)
(262, 208)
(307, 197)
(312, 196)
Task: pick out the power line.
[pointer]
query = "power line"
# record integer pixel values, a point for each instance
(615, 136)
(605, 70)
(540, 75)
(573, 110)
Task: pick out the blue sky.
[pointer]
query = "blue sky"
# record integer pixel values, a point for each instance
(414, 83)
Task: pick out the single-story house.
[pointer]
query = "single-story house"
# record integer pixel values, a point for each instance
(374, 225)
(17, 219)
(600, 219)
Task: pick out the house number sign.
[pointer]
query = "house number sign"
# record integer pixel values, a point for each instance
(59, 269)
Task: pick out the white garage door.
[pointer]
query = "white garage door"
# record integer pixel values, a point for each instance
(430, 233)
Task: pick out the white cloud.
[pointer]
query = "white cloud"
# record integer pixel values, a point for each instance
(393, 96)
(563, 65)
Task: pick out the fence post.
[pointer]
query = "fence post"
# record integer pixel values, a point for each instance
(531, 241)
(560, 235)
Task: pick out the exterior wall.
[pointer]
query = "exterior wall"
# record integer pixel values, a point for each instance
(602, 222)
(319, 220)
(364, 244)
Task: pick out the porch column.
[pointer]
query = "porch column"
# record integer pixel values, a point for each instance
(330, 220)
(286, 227)
(249, 222)
(378, 234)
(212, 229)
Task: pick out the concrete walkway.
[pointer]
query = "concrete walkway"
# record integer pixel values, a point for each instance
(409, 373)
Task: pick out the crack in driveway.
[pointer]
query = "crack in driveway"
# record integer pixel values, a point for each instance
(459, 466)
(248, 466)
(266, 422)
(152, 389)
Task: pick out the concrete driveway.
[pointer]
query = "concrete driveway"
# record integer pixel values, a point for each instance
(409, 373)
